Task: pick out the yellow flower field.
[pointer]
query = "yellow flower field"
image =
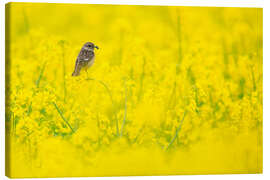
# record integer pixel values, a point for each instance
(173, 90)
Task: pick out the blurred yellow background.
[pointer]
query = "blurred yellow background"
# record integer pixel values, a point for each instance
(174, 90)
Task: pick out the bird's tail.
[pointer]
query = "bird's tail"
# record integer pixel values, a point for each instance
(76, 71)
(75, 74)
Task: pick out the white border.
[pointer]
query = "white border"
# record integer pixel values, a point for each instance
(226, 3)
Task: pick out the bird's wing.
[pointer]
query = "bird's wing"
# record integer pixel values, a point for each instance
(77, 68)
(85, 55)
(83, 58)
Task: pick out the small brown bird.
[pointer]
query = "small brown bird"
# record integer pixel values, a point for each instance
(85, 58)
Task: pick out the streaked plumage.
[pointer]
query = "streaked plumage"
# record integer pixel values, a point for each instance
(85, 58)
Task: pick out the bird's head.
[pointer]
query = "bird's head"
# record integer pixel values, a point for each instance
(90, 46)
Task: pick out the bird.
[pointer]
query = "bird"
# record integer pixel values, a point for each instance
(85, 58)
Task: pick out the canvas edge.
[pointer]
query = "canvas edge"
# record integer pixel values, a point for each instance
(7, 80)
(7, 58)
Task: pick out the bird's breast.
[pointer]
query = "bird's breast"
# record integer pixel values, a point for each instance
(91, 62)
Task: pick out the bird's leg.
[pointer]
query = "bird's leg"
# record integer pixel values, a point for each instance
(86, 73)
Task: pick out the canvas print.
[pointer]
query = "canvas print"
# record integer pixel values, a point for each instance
(126, 90)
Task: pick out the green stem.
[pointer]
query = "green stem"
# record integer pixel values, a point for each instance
(125, 113)
(41, 73)
(139, 133)
(14, 123)
(141, 80)
(104, 85)
(62, 116)
(253, 79)
(110, 94)
(176, 132)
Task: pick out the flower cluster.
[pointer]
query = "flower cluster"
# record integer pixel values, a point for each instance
(166, 79)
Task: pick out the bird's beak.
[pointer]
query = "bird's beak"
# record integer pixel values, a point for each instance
(97, 47)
